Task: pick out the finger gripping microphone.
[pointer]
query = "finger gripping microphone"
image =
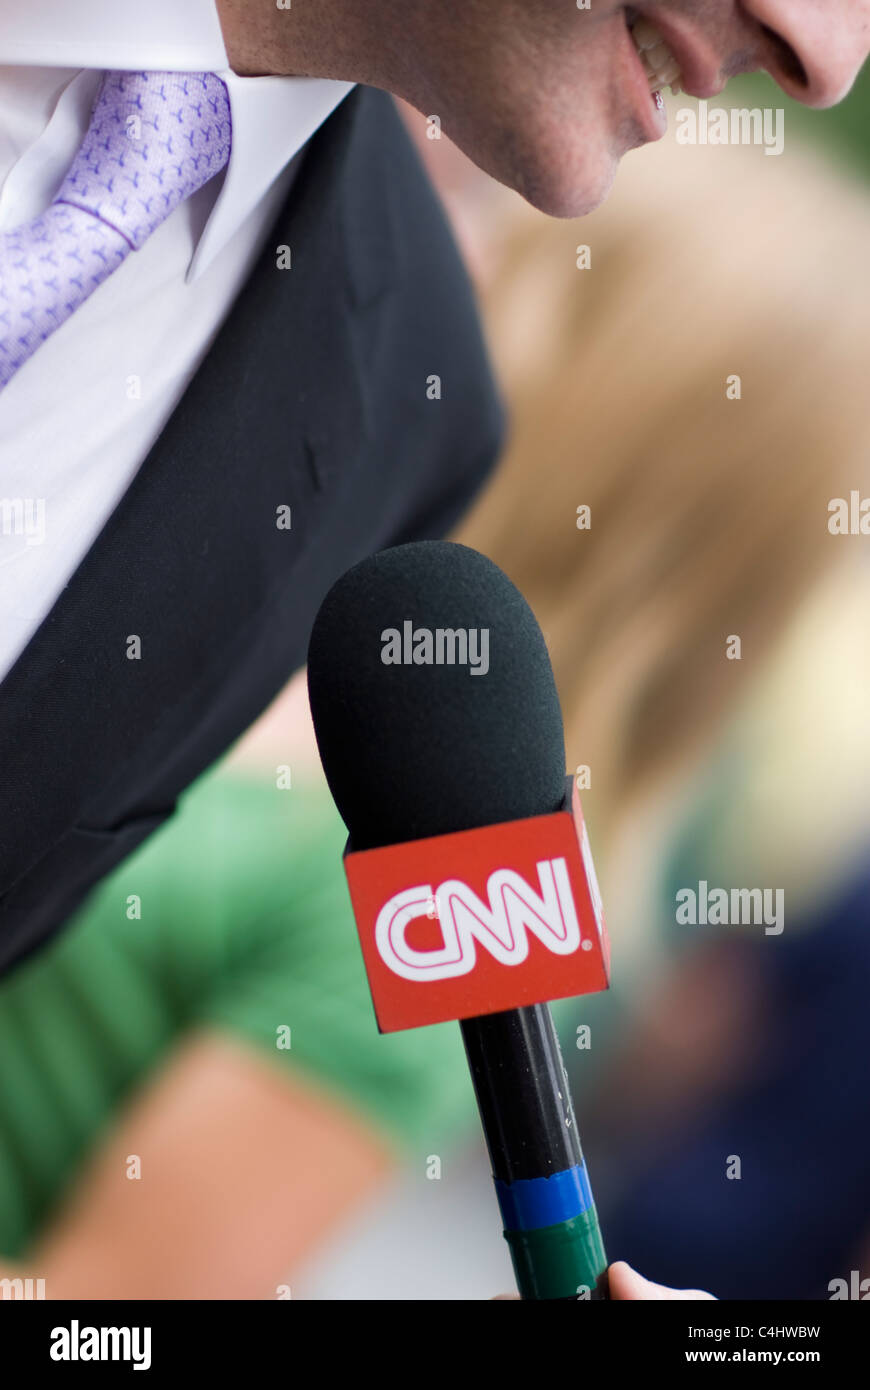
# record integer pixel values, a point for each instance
(440, 733)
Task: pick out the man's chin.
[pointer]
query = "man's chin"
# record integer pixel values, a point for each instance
(568, 193)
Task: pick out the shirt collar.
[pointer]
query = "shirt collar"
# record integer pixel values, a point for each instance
(272, 117)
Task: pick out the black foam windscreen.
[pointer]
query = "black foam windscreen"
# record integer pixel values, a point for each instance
(424, 724)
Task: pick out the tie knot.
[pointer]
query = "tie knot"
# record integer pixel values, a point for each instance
(154, 138)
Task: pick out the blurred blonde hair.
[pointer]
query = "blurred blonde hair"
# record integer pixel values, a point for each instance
(708, 515)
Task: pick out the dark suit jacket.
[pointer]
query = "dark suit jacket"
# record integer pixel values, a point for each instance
(313, 396)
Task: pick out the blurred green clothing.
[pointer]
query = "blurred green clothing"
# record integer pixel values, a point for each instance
(236, 916)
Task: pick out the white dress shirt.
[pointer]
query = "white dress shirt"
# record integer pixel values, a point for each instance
(78, 419)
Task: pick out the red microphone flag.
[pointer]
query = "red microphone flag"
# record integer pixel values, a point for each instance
(475, 922)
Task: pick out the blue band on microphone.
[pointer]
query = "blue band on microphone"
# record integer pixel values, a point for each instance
(530, 1203)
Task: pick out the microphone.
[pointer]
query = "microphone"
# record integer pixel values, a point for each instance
(439, 728)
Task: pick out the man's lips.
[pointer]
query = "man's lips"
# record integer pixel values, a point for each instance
(651, 112)
(700, 65)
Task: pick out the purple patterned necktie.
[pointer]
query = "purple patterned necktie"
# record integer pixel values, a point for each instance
(154, 138)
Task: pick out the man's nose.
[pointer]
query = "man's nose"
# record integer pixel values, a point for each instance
(816, 48)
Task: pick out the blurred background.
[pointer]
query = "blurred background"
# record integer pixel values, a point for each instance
(686, 372)
(721, 1085)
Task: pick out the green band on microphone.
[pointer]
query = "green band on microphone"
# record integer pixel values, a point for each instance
(562, 1261)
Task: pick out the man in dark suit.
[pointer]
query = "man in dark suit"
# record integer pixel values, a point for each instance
(323, 393)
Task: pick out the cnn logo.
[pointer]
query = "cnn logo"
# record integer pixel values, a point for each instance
(501, 925)
(518, 919)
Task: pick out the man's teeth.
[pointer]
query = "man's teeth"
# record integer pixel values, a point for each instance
(659, 63)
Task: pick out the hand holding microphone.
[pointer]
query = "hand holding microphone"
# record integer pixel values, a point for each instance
(440, 732)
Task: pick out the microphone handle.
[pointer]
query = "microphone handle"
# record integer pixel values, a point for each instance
(548, 1214)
